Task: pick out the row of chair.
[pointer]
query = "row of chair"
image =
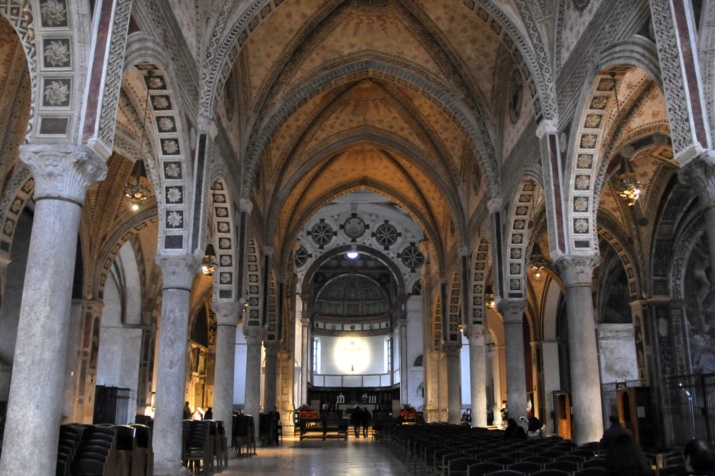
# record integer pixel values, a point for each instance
(204, 445)
(244, 434)
(104, 450)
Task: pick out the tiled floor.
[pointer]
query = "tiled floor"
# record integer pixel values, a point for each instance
(314, 457)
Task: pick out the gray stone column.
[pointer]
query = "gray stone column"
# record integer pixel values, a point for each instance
(477, 374)
(254, 340)
(227, 314)
(512, 310)
(494, 353)
(404, 365)
(699, 173)
(454, 381)
(62, 176)
(177, 276)
(304, 359)
(577, 273)
(271, 374)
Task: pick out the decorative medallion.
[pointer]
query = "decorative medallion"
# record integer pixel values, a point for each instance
(322, 233)
(386, 235)
(300, 257)
(354, 227)
(412, 257)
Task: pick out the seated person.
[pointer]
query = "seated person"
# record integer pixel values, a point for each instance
(699, 457)
(613, 432)
(514, 431)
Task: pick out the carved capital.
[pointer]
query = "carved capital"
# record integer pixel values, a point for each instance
(546, 126)
(495, 204)
(512, 310)
(272, 348)
(577, 270)
(254, 334)
(452, 350)
(245, 205)
(476, 334)
(178, 271)
(63, 171)
(227, 312)
(699, 173)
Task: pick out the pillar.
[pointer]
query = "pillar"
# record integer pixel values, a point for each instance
(227, 314)
(271, 374)
(512, 310)
(177, 276)
(404, 364)
(454, 380)
(254, 340)
(477, 375)
(577, 273)
(62, 176)
(494, 353)
(304, 358)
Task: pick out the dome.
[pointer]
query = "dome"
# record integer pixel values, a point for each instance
(352, 295)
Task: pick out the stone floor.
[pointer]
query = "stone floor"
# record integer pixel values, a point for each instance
(314, 457)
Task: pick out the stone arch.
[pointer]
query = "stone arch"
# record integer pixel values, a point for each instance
(587, 158)
(273, 324)
(454, 320)
(18, 192)
(223, 232)
(518, 238)
(254, 284)
(613, 235)
(707, 60)
(480, 265)
(170, 170)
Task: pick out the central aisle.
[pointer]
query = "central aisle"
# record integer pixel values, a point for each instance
(355, 457)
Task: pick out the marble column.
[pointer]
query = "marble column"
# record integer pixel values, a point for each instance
(494, 353)
(271, 374)
(62, 176)
(177, 276)
(304, 359)
(454, 381)
(477, 375)
(512, 310)
(577, 274)
(254, 341)
(227, 314)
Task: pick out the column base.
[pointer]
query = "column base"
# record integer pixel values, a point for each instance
(171, 470)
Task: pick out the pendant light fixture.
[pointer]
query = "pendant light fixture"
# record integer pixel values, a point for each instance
(136, 188)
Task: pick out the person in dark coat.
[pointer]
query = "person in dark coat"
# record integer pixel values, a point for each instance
(187, 411)
(356, 420)
(613, 432)
(514, 431)
(365, 421)
(625, 458)
(209, 415)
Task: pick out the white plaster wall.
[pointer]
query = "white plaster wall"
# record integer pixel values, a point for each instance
(617, 352)
(239, 381)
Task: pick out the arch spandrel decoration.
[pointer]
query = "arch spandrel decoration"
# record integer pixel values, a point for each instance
(173, 188)
(452, 333)
(17, 193)
(619, 244)
(224, 243)
(273, 326)
(518, 237)
(481, 258)
(253, 285)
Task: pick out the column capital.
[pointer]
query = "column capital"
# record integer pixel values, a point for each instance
(546, 126)
(699, 173)
(512, 310)
(178, 271)
(63, 172)
(254, 334)
(495, 204)
(476, 334)
(576, 270)
(227, 312)
(245, 205)
(272, 348)
(452, 350)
